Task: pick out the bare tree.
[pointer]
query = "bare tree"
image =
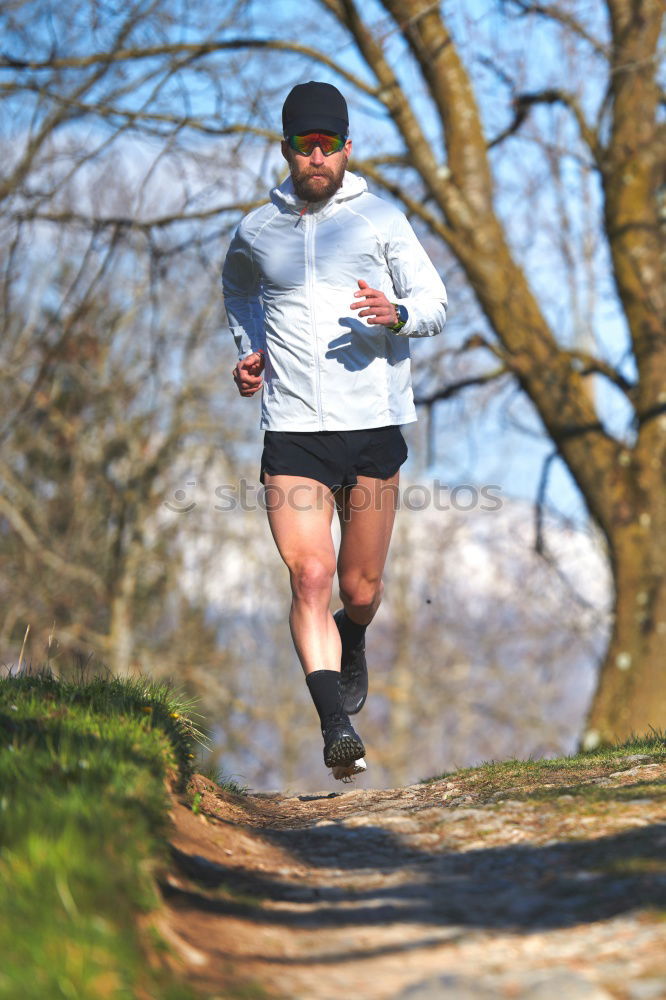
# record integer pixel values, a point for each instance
(452, 191)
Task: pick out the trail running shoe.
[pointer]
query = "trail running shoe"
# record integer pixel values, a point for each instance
(342, 772)
(353, 673)
(342, 744)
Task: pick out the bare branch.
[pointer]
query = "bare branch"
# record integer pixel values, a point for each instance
(67, 328)
(477, 340)
(539, 544)
(584, 363)
(51, 559)
(416, 208)
(522, 104)
(130, 118)
(388, 160)
(193, 51)
(588, 364)
(657, 410)
(127, 222)
(54, 121)
(455, 387)
(566, 19)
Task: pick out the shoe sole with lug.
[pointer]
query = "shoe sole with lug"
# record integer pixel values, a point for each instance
(345, 751)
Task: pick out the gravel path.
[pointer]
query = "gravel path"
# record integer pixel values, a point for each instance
(466, 888)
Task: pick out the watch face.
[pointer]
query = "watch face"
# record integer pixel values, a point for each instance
(403, 315)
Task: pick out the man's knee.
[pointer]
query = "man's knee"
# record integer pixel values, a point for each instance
(361, 592)
(312, 577)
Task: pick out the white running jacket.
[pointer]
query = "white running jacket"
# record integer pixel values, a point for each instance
(289, 279)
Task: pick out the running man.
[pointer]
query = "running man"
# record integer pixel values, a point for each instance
(323, 287)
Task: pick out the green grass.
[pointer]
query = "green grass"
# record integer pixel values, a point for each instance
(228, 783)
(498, 774)
(83, 813)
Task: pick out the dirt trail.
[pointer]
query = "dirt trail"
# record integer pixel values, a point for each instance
(458, 889)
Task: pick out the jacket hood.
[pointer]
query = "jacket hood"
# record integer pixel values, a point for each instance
(284, 196)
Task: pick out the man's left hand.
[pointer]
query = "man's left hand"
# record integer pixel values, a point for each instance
(374, 305)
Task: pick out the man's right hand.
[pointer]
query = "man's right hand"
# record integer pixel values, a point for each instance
(247, 374)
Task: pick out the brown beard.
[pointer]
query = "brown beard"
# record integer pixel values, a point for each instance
(309, 188)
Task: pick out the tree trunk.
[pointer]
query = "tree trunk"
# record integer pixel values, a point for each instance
(631, 696)
(121, 639)
(121, 627)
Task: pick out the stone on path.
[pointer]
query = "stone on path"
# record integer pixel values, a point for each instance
(555, 984)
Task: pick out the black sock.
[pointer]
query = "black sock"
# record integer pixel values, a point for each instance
(324, 686)
(350, 633)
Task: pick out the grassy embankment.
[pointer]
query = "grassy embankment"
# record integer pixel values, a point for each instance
(545, 778)
(83, 816)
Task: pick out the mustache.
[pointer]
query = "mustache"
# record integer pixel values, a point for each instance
(318, 171)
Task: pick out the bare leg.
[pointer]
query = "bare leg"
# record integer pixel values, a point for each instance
(300, 512)
(367, 513)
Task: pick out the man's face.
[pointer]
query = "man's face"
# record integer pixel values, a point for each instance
(316, 177)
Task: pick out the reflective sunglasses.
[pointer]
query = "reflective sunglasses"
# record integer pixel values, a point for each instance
(304, 144)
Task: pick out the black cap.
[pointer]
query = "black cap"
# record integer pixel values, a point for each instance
(313, 107)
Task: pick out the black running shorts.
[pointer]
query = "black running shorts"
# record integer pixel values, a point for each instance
(334, 458)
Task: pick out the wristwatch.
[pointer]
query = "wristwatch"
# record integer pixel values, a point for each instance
(403, 316)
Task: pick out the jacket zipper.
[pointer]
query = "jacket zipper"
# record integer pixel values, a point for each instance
(310, 281)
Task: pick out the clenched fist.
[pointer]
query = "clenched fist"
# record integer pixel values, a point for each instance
(247, 374)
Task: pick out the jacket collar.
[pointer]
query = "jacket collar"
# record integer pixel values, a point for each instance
(285, 197)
